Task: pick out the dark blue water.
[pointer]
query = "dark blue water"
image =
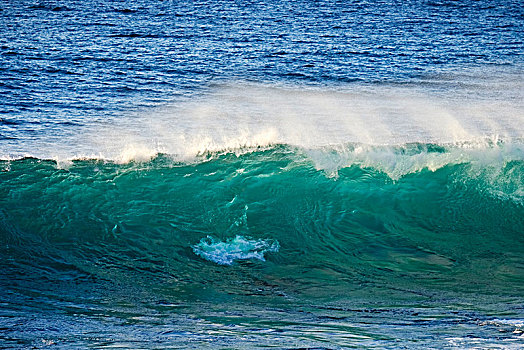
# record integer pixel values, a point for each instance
(286, 174)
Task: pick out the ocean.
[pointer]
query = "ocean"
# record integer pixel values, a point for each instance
(261, 174)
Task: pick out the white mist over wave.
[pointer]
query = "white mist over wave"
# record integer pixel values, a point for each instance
(468, 108)
(458, 109)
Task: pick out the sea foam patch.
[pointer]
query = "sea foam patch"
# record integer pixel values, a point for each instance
(237, 248)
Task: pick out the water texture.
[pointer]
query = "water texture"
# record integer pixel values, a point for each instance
(245, 175)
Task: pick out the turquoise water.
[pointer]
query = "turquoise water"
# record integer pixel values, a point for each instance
(261, 174)
(265, 245)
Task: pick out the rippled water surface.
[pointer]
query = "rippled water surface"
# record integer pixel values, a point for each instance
(244, 175)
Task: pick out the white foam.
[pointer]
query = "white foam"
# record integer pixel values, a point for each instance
(399, 160)
(237, 248)
(518, 324)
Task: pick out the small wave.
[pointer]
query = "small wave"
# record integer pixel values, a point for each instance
(238, 248)
(135, 35)
(50, 8)
(4, 121)
(515, 326)
(125, 10)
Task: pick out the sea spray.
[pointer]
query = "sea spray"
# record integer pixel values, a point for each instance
(240, 115)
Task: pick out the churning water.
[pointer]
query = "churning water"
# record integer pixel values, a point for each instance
(279, 174)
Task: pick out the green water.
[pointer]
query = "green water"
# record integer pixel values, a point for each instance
(273, 238)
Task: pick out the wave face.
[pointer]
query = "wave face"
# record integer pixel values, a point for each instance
(341, 233)
(246, 175)
(413, 210)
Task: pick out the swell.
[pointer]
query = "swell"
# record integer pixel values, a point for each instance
(453, 226)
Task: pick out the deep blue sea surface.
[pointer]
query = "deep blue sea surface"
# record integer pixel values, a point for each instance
(261, 174)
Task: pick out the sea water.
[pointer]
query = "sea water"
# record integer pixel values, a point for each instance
(278, 174)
